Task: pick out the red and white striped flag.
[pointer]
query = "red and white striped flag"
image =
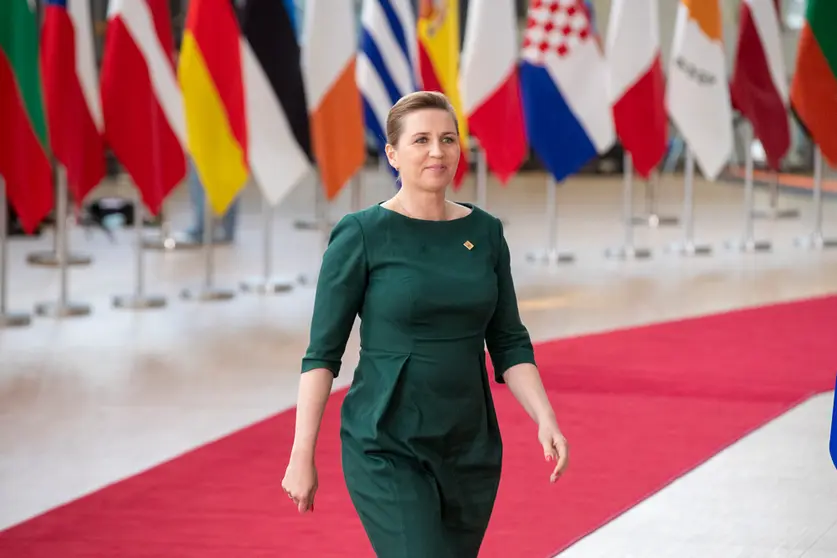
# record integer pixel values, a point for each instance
(759, 86)
(142, 103)
(637, 84)
(490, 86)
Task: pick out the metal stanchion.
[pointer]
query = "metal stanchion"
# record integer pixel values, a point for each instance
(551, 255)
(7, 319)
(688, 246)
(63, 308)
(165, 239)
(208, 292)
(628, 250)
(267, 284)
(139, 300)
(320, 203)
(651, 217)
(749, 243)
(774, 212)
(357, 191)
(816, 240)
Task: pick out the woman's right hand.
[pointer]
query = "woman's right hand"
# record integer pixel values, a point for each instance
(300, 483)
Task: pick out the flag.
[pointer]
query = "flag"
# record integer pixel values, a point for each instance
(637, 84)
(329, 53)
(491, 87)
(71, 93)
(698, 97)
(387, 65)
(278, 131)
(759, 89)
(24, 144)
(438, 37)
(814, 86)
(141, 100)
(210, 74)
(563, 81)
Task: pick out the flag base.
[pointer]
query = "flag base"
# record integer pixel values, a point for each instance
(690, 248)
(815, 242)
(750, 246)
(205, 294)
(62, 310)
(50, 259)
(139, 302)
(549, 257)
(14, 319)
(263, 286)
(628, 253)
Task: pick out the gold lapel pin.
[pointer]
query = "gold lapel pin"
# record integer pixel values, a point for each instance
(468, 244)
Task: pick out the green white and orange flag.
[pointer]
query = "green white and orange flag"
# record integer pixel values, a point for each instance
(210, 76)
(698, 98)
(438, 38)
(814, 85)
(24, 160)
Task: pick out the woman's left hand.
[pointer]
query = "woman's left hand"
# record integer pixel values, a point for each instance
(554, 447)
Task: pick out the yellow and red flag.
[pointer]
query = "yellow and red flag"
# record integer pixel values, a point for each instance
(213, 96)
(438, 38)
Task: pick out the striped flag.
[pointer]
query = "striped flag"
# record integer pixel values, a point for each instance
(637, 84)
(438, 36)
(24, 144)
(71, 92)
(210, 76)
(278, 130)
(759, 87)
(329, 52)
(698, 98)
(814, 86)
(144, 121)
(387, 65)
(490, 85)
(563, 80)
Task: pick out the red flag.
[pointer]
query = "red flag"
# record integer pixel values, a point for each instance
(73, 106)
(758, 87)
(637, 82)
(144, 122)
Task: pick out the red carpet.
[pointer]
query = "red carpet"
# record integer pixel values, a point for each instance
(640, 407)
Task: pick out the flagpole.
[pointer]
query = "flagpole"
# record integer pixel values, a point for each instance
(481, 178)
(267, 284)
(816, 240)
(63, 308)
(688, 246)
(7, 319)
(628, 250)
(208, 292)
(749, 243)
(652, 218)
(551, 255)
(773, 212)
(165, 239)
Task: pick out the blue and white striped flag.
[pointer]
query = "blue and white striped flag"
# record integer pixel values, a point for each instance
(387, 64)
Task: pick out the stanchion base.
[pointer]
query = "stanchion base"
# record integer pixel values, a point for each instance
(50, 259)
(815, 242)
(655, 220)
(750, 246)
(313, 225)
(691, 249)
(172, 242)
(205, 294)
(628, 253)
(260, 285)
(776, 213)
(550, 257)
(58, 310)
(138, 302)
(14, 319)
(307, 279)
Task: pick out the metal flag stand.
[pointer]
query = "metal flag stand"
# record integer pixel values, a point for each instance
(651, 217)
(749, 243)
(165, 239)
(63, 308)
(139, 300)
(774, 212)
(551, 255)
(7, 319)
(267, 284)
(628, 250)
(816, 240)
(688, 246)
(321, 218)
(208, 291)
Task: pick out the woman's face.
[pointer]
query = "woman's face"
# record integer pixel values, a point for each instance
(427, 153)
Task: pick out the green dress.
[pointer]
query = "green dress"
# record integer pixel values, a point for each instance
(421, 448)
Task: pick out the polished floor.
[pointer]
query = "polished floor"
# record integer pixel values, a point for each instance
(88, 400)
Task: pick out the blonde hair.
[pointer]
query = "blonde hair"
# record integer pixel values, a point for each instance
(412, 102)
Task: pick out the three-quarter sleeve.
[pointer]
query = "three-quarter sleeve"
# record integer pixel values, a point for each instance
(341, 286)
(507, 338)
